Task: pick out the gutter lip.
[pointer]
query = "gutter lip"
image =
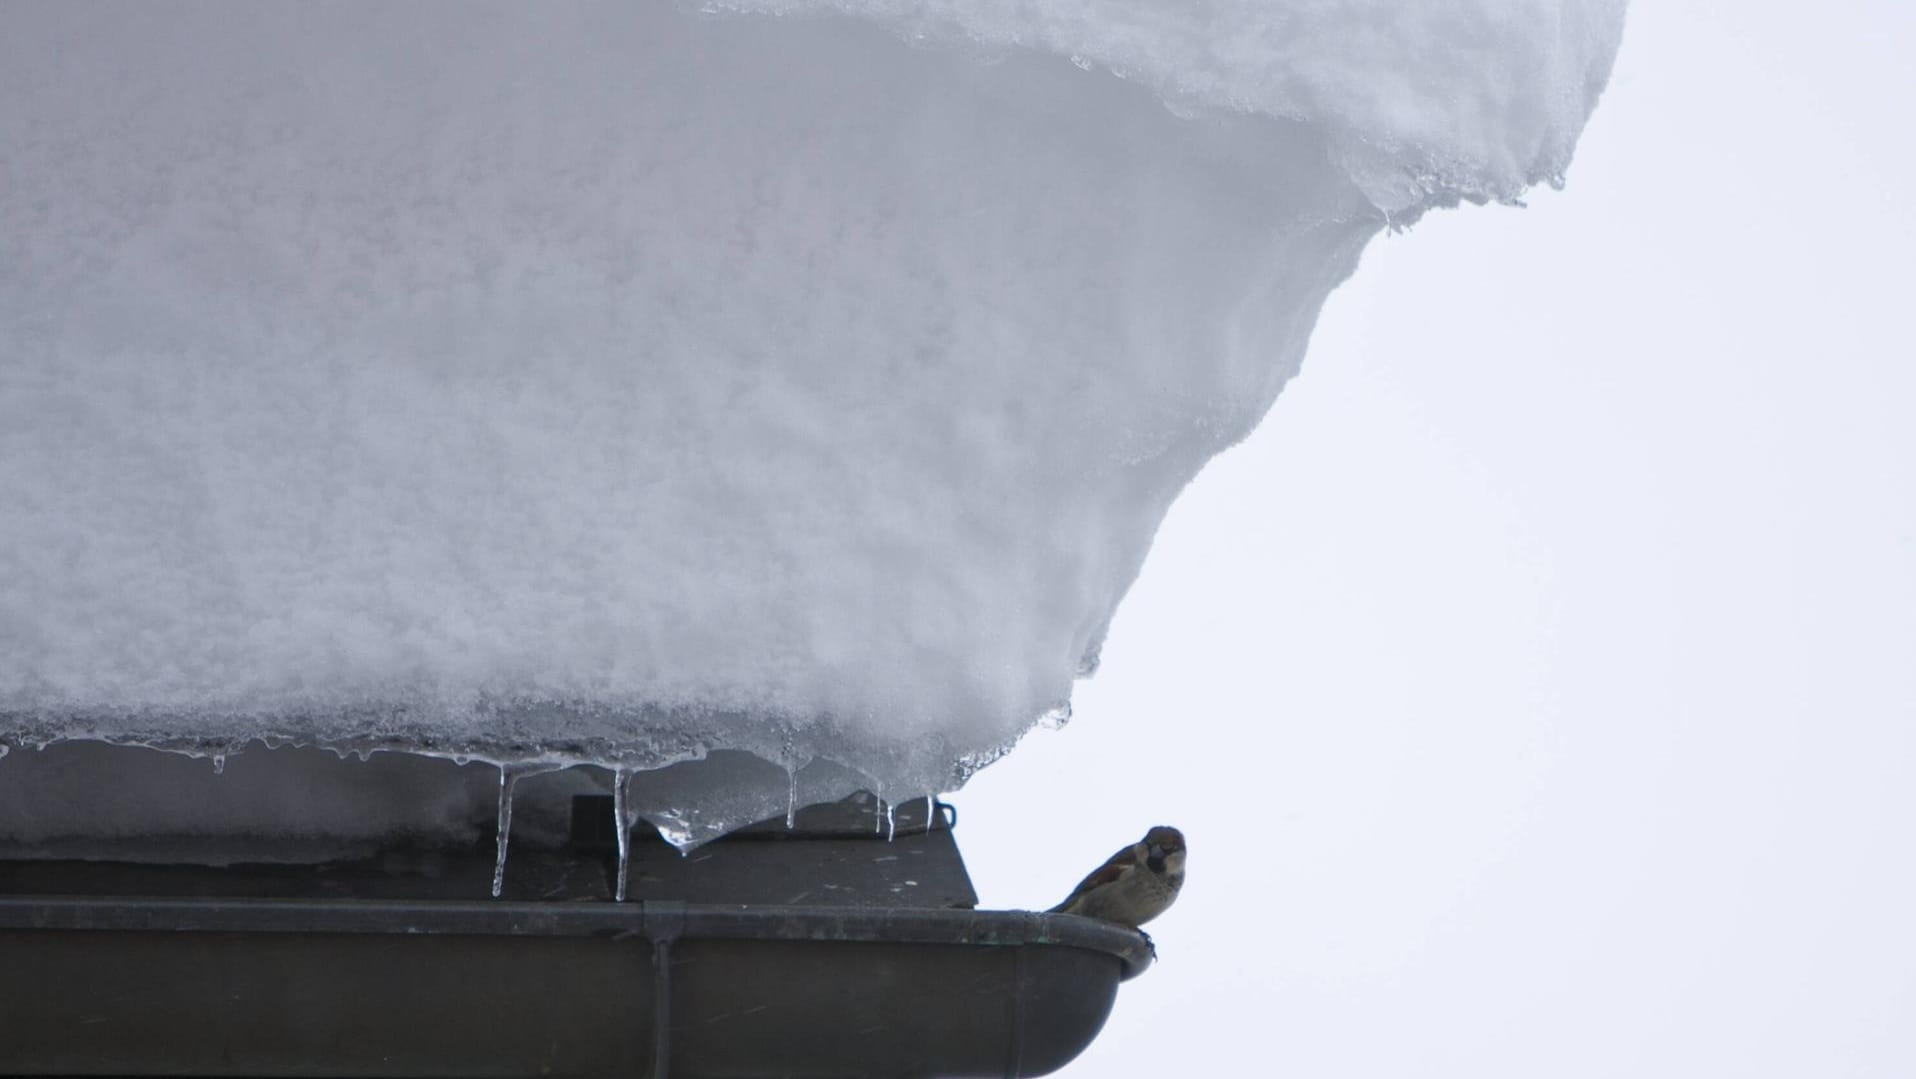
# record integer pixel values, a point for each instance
(651, 919)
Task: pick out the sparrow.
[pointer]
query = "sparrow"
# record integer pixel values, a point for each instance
(1136, 885)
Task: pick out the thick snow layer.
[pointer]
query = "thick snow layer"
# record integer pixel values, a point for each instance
(1422, 100)
(624, 383)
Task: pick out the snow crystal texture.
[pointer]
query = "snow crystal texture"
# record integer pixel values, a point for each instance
(1423, 101)
(626, 382)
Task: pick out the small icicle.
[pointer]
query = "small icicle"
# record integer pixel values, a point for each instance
(620, 777)
(931, 810)
(219, 764)
(508, 778)
(891, 821)
(789, 755)
(791, 799)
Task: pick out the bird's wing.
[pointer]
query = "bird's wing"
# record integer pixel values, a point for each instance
(1117, 866)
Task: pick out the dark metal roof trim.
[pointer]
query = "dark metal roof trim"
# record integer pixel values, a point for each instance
(659, 989)
(959, 927)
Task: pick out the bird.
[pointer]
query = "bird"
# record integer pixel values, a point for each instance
(1139, 882)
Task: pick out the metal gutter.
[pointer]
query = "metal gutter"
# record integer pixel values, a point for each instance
(661, 989)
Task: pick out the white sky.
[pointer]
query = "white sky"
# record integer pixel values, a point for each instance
(1537, 687)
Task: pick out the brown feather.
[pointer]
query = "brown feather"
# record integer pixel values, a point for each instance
(1110, 871)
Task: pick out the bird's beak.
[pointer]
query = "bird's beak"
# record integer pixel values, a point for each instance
(1157, 852)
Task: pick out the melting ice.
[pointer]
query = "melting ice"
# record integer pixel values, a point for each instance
(636, 385)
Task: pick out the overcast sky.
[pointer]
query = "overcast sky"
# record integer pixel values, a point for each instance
(1537, 686)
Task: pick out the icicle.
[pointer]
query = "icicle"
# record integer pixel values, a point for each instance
(219, 764)
(791, 798)
(789, 755)
(931, 810)
(508, 778)
(878, 814)
(891, 821)
(620, 777)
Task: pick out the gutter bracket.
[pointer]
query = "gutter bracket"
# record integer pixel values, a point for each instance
(663, 921)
